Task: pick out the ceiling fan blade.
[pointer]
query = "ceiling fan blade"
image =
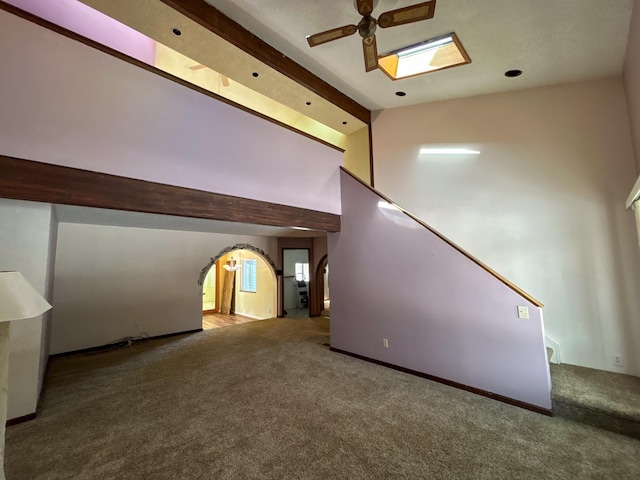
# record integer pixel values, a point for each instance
(370, 50)
(364, 7)
(414, 13)
(330, 35)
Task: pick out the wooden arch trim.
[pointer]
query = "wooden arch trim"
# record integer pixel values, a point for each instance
(237, 246)
(317, 302)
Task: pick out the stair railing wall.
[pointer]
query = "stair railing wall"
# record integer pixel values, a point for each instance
(405, 296)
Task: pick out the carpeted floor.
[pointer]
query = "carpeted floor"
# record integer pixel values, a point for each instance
(269, 400)
(603, 399)
(597, 389)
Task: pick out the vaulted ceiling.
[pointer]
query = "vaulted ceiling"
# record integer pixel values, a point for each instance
(550, 41)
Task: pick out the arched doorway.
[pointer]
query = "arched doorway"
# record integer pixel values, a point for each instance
(322, 290)
(244, 288)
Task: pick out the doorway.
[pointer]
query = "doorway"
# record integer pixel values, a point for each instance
(209, 290)
(238, 286)
(322, 280)
(295, 289)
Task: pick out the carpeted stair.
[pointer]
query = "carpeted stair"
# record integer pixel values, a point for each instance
(606, 400)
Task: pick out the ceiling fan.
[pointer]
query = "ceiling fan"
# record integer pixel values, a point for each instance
(368, 24)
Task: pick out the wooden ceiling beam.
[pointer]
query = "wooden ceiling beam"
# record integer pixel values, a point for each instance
(215, 21)
(43, 182)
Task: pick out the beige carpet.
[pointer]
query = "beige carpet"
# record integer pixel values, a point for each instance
(269, 400)
(602, 399)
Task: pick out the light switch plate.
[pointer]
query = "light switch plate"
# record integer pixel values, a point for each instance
(523, 312)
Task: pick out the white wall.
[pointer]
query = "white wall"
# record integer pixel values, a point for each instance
(67, 104)
(632, 79)
(112, 282)
(25, 241)
(543, 204)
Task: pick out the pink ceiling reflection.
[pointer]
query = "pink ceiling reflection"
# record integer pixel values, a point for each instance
(90, 23)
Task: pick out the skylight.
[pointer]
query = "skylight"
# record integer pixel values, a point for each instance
(435, 54)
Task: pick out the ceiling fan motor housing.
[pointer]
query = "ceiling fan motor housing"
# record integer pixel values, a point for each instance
(367, 27)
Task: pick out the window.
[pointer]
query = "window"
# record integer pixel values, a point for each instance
(249, 275)
(302, 272)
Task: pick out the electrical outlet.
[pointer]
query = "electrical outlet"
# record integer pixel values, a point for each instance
(385, 342)
(523, 312)
(618, 360)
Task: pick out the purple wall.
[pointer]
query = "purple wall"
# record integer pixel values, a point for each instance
(90, 23)
(68, 104)
(442, 314)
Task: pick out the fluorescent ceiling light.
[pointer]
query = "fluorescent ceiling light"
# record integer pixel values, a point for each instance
(425, 47)
(448, 151)
(434, 54)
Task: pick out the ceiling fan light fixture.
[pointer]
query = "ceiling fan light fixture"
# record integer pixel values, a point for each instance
(432, 55)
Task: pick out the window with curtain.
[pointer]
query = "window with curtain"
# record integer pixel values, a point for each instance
(249, 275)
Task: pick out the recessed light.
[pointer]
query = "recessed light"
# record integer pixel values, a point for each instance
(308, 103)
(344, 123)
(513, 73)
(401, 94)
(176, 32)
(255, 74)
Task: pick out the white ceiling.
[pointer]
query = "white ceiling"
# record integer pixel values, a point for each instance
(552, 41)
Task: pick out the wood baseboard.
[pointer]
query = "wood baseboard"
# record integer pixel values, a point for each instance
(22, 419)
(461, 386)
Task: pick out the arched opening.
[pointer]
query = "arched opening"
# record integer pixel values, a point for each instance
(322, 289)
(238, 286)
